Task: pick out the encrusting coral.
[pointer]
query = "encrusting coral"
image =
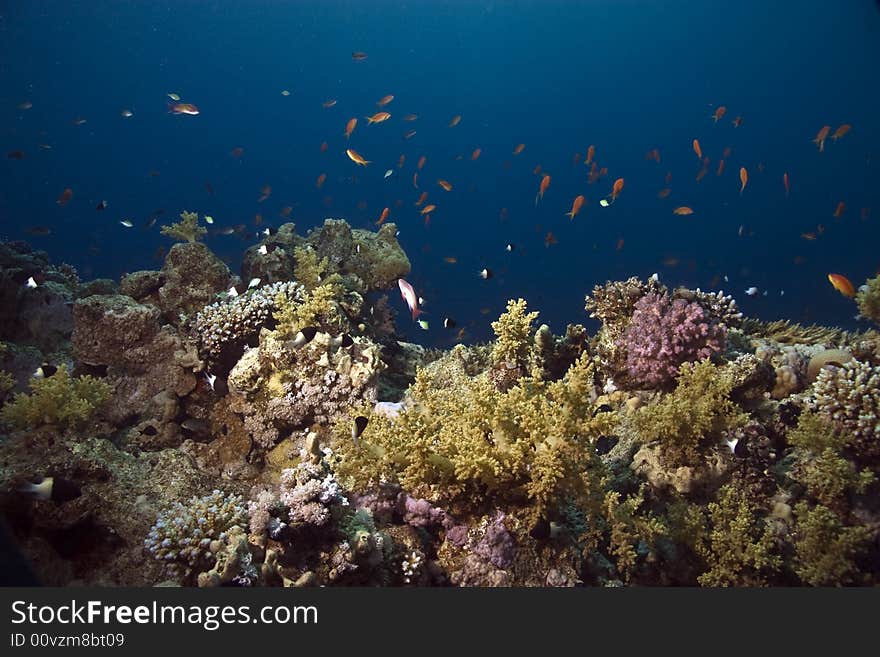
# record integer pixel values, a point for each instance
(61, 400)
(187, 229)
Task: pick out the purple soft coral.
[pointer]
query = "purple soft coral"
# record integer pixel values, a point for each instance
(665, 333)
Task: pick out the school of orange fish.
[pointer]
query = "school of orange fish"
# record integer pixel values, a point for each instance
(427, 209)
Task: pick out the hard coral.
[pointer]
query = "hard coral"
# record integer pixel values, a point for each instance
(868, 299)
(59, 400)
(183, 534)
(187, 229)
(664, 334)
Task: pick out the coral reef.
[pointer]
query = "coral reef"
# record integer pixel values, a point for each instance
(681, 444)
(868, 299)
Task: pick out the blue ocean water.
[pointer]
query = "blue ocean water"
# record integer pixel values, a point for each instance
(626, 76)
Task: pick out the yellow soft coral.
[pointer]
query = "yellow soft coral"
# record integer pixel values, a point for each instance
(187, 229)
(308, 269)
(318, 308)
(59, 400)
(467, 444)
(514, 334)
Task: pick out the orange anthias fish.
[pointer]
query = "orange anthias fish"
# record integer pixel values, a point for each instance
(653, 154)
(349, 127)
(697, 149)
(428, 209)
(841, 131)
(616, 189)
(183, 108)
(476, 153)
(65, 196)
(455, 120)
(719, 113)
(545, 183)
(663, 193)
(401, 161)
(575, 207)
(411, 117)
(355, 157)
(378, 117)
(786, 183)
(519, 149)
(358, 56)
(737, 122)
(839, 210)
(743, 178)
(821, 136)
(384, 100)
(383, 217)
(409, 295)
(265, 193)
(320, 180)
(591, 151)
(720, 168)
(683, 209)
(445, 184)
(324, 146)
(550, 240)
(841, 284)
(422, 199)
(421, 163)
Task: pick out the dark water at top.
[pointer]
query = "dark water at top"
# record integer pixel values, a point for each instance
(625, 76)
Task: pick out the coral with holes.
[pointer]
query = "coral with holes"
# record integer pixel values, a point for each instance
(665, 333)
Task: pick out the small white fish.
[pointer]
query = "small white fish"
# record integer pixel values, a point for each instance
(604, 203)
(782, 293)
(209, 219)
(266, 231)
(232, 292)
(654, 277)
(127, 223)
(126, 113)
(423, 324)
(42, 490)
(263, 250)
(732, 445)
(726, 280)
(31, 282)
(358, 248)
(508, 248)
(254, 282)
(210, 378)
(752, 291)
(389, 172)
(421, 301)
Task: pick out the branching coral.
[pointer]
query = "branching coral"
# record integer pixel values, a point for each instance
(719, 307)
(632, 533)
(665, 333)
(694, 415)
(868, 299)
(234, 322)
(60, 400)
(187, 229)
(183, 534)
(513, 331)
(849, 396)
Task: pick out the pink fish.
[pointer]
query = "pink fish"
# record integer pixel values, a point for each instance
(409, 295)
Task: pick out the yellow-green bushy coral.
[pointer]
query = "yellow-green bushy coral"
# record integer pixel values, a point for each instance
(825, 549)
(319, 308)
(59, 400)
(697, 411)
(740, 546)
(309, 268)
(514, 334)
(187, 229)
(820, 462)
(7, 383)
(633, 532)
(468, 444)
(869, 300)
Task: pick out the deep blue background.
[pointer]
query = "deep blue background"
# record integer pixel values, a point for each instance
(626, 76)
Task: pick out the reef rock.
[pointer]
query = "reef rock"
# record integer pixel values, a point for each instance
(193, 276)
(142, 356)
